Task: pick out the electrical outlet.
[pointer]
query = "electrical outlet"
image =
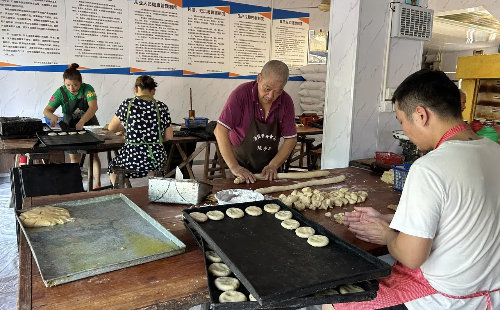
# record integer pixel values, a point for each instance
(385, 106)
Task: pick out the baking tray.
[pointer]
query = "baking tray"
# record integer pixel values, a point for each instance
(78, 139)
(249, 244)
(370, 287)
(109, 233)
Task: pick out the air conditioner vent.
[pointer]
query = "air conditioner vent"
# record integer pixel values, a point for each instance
(412, 22)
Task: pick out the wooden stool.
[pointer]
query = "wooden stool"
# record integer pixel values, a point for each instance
(44, 157)
(121, 181)
(209, 172)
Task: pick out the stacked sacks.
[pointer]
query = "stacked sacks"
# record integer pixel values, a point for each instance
(312, 91)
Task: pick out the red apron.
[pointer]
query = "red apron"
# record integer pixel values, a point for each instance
(405, 284)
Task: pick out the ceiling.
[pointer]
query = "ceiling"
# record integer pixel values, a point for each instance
(460, 30)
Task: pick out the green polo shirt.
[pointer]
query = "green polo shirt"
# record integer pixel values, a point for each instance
(57, 98)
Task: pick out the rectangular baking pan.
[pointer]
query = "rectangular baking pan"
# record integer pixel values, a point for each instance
(274, 264)
(370, 287)
(78, 139)
(109, 233)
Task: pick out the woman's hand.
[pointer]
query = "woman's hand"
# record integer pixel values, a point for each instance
(53, 120)
(361, 212)
(79, 125)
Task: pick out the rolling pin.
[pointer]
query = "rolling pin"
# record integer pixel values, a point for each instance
(290, 175)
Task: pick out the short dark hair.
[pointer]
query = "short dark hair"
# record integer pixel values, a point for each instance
(429, 89)
(278, 69)
(72, 73)
(145, 82)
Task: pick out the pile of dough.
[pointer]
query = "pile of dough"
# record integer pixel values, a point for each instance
(339, 217)
(227, 283)
(235, 213)
(392, 207)
(290, 224)
(350, 288)
(215, 215)
(213, 257)
(45, 216)
(388, 177)
(199, 217)
(283, 215)
(318, 200)
(232, 296)
(271, 208)
(318, 241)
(304, 232)
(219, 270)
(253, 211)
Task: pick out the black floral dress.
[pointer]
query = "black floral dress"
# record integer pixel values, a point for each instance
(142, 152)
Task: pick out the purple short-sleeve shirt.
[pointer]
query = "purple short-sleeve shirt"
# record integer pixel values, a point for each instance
(236, 113)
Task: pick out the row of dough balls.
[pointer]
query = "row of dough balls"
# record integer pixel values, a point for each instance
(316, 199)
(63, 133)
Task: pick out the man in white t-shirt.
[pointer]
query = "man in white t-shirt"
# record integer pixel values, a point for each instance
(446, 230)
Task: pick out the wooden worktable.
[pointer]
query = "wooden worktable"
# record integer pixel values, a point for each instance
(177, 282)
(308, 130)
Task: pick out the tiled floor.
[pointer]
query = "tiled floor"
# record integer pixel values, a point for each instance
(9, 259)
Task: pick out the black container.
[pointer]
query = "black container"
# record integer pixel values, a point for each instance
(19, 126)
(88, 138)
(249, 244)
(370, 287)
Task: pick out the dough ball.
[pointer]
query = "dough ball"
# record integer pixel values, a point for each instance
(213, 257)
(45, 216)
(305, 200)
(251, 298)
(304, 232)
(392, 207)
(339, 217)
(272, 208)
(253, 211)
(52, 134)
(350, 288)
(73, 133)
(306, 189)
(308, 194)
(219, 269)
(290, 224)
(351, 201)
(232, 296)
(360, 199)
(318, 241)
(283, 215)
(227, 283)
(235, 213)
(328, 214)
(338, 202)
(199, 217)
(282, 196)
(62, 133)
(354, 196)
(82, 132)
(119, 133)
(293, 198)
(344, 201)
(343, 190)
(294, 193)
(316, 191)
(327, 292)
(215, 215)
(287, 201)
(299, 206)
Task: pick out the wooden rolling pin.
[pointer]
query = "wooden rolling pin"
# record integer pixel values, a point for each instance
(290, 175)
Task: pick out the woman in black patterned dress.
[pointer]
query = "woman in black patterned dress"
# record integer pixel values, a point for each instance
(146, 123)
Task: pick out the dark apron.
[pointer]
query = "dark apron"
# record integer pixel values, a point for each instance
(70, 117)
(260, 144)
(158, 166)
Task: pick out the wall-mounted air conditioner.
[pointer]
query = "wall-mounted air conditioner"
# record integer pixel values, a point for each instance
(411, 22)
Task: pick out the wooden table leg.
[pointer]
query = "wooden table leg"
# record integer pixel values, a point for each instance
(184, 158)
(25, 266)
(221, 161)
(91, 173)
(169, 158)
(207, 161)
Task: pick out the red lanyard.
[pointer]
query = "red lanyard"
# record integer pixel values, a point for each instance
(450, 133)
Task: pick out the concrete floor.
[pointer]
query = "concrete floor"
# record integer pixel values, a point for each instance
(9, 258)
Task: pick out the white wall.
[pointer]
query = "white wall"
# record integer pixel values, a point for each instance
(27, 93)
(449, 60)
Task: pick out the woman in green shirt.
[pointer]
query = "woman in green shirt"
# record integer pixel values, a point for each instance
(79, 104)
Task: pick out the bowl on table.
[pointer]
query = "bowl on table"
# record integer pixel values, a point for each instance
(230, 196)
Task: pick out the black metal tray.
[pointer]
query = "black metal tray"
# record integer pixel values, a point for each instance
(249, 244)
(78, 139)
(370, 287)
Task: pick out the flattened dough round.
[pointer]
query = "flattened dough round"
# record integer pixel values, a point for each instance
(251, 298)
(318, 241)
(232, 296)
(219, 270)
(199, 217)
(290, 224)
(52, 134)
(213, 257)
(73, 133)
(215, 215)
(304, 232)
(82, 132)
(253, 211)
(271, 208)
(235, 213)
(63, 133)
(227, 283)
(283, 215)
(45, 216)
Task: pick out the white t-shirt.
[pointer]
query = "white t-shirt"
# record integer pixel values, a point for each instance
(452, 195)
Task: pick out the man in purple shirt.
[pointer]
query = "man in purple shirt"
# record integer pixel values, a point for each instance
(256, 115)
